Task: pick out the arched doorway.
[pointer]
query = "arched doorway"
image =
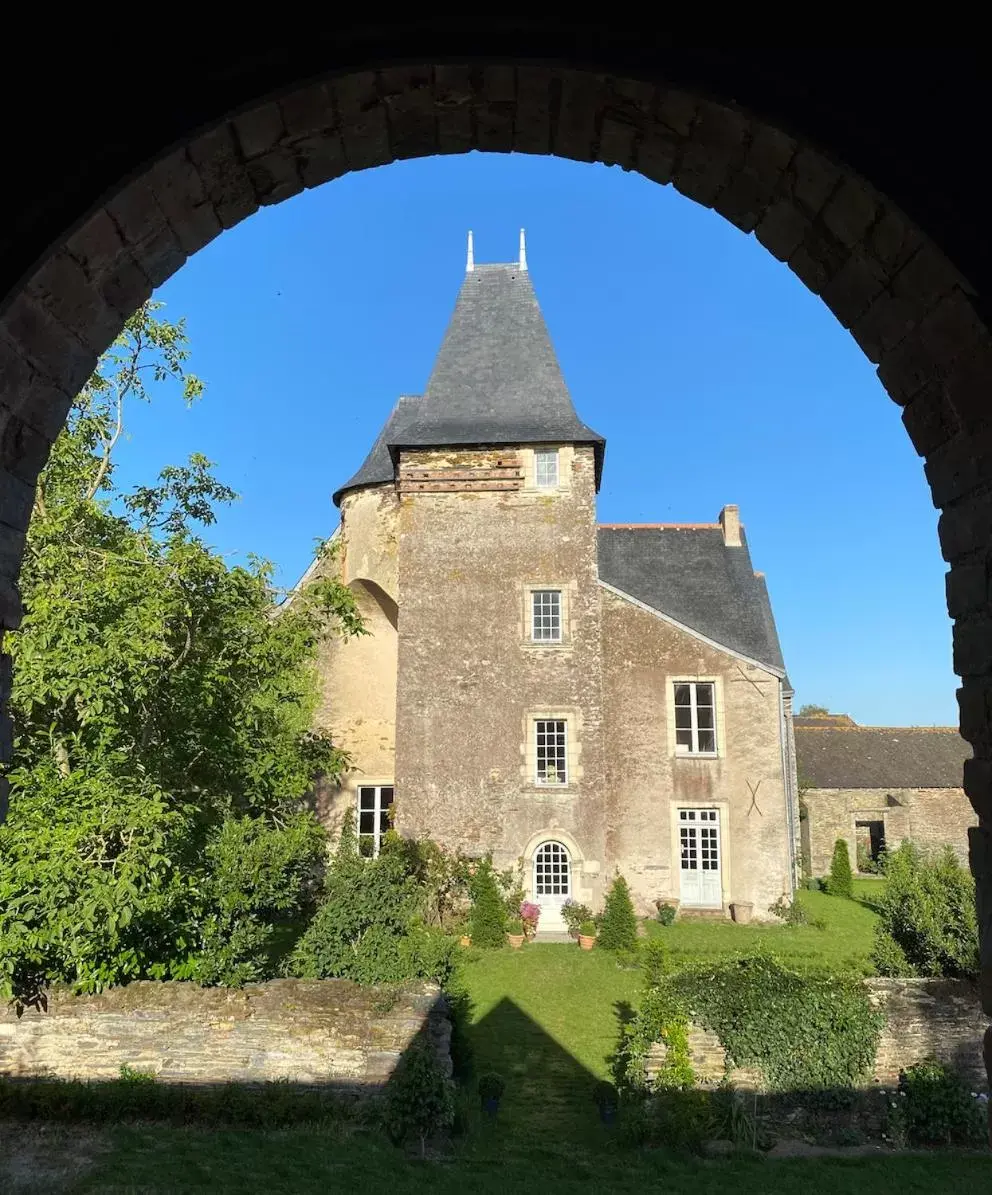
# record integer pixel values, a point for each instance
(262, 119)
(552, 882)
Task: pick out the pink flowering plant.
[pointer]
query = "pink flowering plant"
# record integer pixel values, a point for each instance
(530, 914)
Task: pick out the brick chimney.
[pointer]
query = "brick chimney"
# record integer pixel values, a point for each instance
(730, 521)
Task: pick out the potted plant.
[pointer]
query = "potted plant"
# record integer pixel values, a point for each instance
(491, 1088)
(668, 909)
(515, 932)
(573, 914)
(587, 934)
(530, 914)
(607, 1100)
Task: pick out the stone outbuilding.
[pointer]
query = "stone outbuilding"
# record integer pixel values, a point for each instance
(574, 697)
(879, 786)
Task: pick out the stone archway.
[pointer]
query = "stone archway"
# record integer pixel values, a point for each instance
(910, 310)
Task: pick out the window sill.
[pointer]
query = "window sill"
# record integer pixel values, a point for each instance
(697, 755)
(565, 790)
(546, 645)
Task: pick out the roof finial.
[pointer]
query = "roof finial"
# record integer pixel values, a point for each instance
(470, 262)
(523, 250)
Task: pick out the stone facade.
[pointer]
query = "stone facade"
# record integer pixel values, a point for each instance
(324, 1032)
(929, 817)
(923, 1017)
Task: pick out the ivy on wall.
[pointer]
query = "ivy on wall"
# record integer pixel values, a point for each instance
(799, 1030)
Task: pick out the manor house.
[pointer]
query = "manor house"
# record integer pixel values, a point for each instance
(575, 697)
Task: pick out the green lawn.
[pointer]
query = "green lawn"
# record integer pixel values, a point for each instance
(546, 1018)
(845, 942)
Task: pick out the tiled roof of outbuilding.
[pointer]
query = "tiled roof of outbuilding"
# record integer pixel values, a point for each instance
(852, 756)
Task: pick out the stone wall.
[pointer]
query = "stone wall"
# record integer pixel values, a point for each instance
(311, 1032)
(930, 817)
(940, 1017)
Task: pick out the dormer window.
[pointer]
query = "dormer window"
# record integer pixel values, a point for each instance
(546, 468)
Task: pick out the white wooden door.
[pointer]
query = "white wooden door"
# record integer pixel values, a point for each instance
(699, 842)
(552, 884)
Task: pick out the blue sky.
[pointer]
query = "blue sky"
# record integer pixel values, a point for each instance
(714, 375)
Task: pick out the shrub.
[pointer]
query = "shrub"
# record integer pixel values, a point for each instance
(841, 882)
(574, 914)
(656, 960)
(928, 911)
(530, 914)
(367, 928)
(888, 957)
(587, 929)
(488, 916)
(515, 926)
(936, 1108)
(618, 924)
(491, 1086)
(418, 1100)
(793, 913)
(605, 1095)
(666, 913)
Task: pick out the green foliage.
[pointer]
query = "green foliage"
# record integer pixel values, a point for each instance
(841, 881)
(261, 884)
(813, 711)
(442, 878)
(618, 923)
(574, 915)
(812, 1030)
(418, 1100)
(605, 1094)
(488, 917)
(928, 921)
(935, 1107)
(366, 927)
(656, 961)
(587, 929)
(666, 913)
(157, 702)
(515, 926)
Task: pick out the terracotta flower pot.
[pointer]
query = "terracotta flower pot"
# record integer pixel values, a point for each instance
(515, 940)
(587, 943)
(465, 940)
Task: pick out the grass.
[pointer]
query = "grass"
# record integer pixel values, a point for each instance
(844, 943)
(546, 1018)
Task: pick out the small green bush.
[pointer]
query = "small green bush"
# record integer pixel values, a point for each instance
(574, 915)
(515, 926)
(418, 1100)
(793, 913)
(587, 929)
(681, 1119)
(605, 1095)
(666, 913)
(841, 882)
(488, 917)
(928, 918)
(491, 1086)
(656, 961)
(618, 923)
(934, 1107)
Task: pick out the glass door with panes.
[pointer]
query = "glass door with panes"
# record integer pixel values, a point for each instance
(699, 843)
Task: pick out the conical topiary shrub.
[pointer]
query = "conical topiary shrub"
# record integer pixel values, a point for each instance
(618, 924)
(841, 881)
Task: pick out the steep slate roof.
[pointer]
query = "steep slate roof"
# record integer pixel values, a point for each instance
(496, 380)
(852, 756)
(377, 467)
(689, 574)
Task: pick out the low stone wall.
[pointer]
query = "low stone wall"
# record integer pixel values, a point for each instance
(309, 1032)
(939, 1017)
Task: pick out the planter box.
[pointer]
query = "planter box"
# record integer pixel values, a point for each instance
(741, 911)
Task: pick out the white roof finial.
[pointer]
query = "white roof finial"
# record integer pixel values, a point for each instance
(523, 250)
(470, 262)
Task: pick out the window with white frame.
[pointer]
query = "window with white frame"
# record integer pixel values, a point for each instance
(550, 743)
(545, 615)
(375, 804)
(695, 718)
(546, 468)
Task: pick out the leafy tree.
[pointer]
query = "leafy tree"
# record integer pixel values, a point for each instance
(419, 1100)
(618, 923)
(928, 922)
(841, 879)
(156, 694)
(813, 711)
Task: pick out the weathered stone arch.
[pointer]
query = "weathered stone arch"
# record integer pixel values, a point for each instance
(913, 313)
(371, 592)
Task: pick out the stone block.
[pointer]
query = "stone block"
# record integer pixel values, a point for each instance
(304, 112)
(959, 466)
(274, 176)
(224, 175)
(575, 133)
(97, 245)
(973, 647)
(967, 587)
(532, 122)
(260, 130)
(47, 344)
(62, 287)
(930, 419)
(850, 211)
(618, 137)
(854, 287)
(782, 228)
(812, 179)
(320, 158)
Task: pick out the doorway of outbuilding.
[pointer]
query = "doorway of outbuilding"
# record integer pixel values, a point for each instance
(83, 254)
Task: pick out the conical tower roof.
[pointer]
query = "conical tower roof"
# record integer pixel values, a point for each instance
(496, 380)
